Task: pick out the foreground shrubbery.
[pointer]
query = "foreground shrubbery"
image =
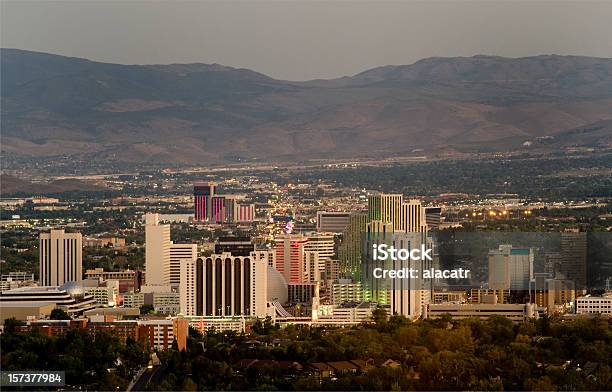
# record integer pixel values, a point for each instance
(100, 363)
(434, 355)
(495, 354)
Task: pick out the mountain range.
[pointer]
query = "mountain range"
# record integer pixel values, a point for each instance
(200, 113)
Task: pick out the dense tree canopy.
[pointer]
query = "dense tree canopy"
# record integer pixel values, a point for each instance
(440, 354)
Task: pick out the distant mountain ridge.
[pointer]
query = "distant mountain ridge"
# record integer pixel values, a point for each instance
(200, 113)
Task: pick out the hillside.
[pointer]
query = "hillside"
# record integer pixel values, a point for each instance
(10, 185)
(200, 113)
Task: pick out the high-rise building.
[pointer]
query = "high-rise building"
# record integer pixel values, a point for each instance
(408, 296)
(225, 285)
(217, 209)
(180, 253)
(289, 252)
(332, 222)
(573, 258)
(351, 248)
(214, 208)
(203, 193)
(411, 218)
(157, 251)
(404, 216)
(323, 243)
(510, 268)
(237, 210)
(61, 257)
(332, 270)
(314, 267)
(385, 207)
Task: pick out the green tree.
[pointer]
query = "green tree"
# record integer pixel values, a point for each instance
(59, 314)
(147, 309)
(11, 324)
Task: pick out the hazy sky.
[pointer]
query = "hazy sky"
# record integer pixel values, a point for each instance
(304, 40)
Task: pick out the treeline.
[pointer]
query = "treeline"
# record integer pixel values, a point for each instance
(101, 363)
(433, 355)
(493, 354)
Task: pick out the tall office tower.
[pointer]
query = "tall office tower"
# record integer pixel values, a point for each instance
(157, 251)
(214, 208)
(289, 253)
(573, 258)
(411, 218)
(433, 217)
(409, 295)
(377, 232)
(510, 268)
(499, 268)
(61, 257)
(203, 193)
(323, 244)
(314, 266)
(229, 204)
(332, 222)
(179, 254)
(384, 207)
(217, 209)
(236, 210)
(404, 216)
(224, 285)
(351, 248)
(332, 270)
(191, 281)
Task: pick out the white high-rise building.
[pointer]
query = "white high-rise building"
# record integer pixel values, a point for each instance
(157, 251)
(180, 254)
(411, 218)
(223, 285)
(404, 216)
(314, 266)
(403, 224)
(385, 207)
(323, 243)
(510, 268)
(61, 257)
(187, 286)
(408, 296)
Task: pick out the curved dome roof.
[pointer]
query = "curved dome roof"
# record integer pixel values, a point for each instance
(277, 286)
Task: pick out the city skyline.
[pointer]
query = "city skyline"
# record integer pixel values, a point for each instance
(306, 195)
